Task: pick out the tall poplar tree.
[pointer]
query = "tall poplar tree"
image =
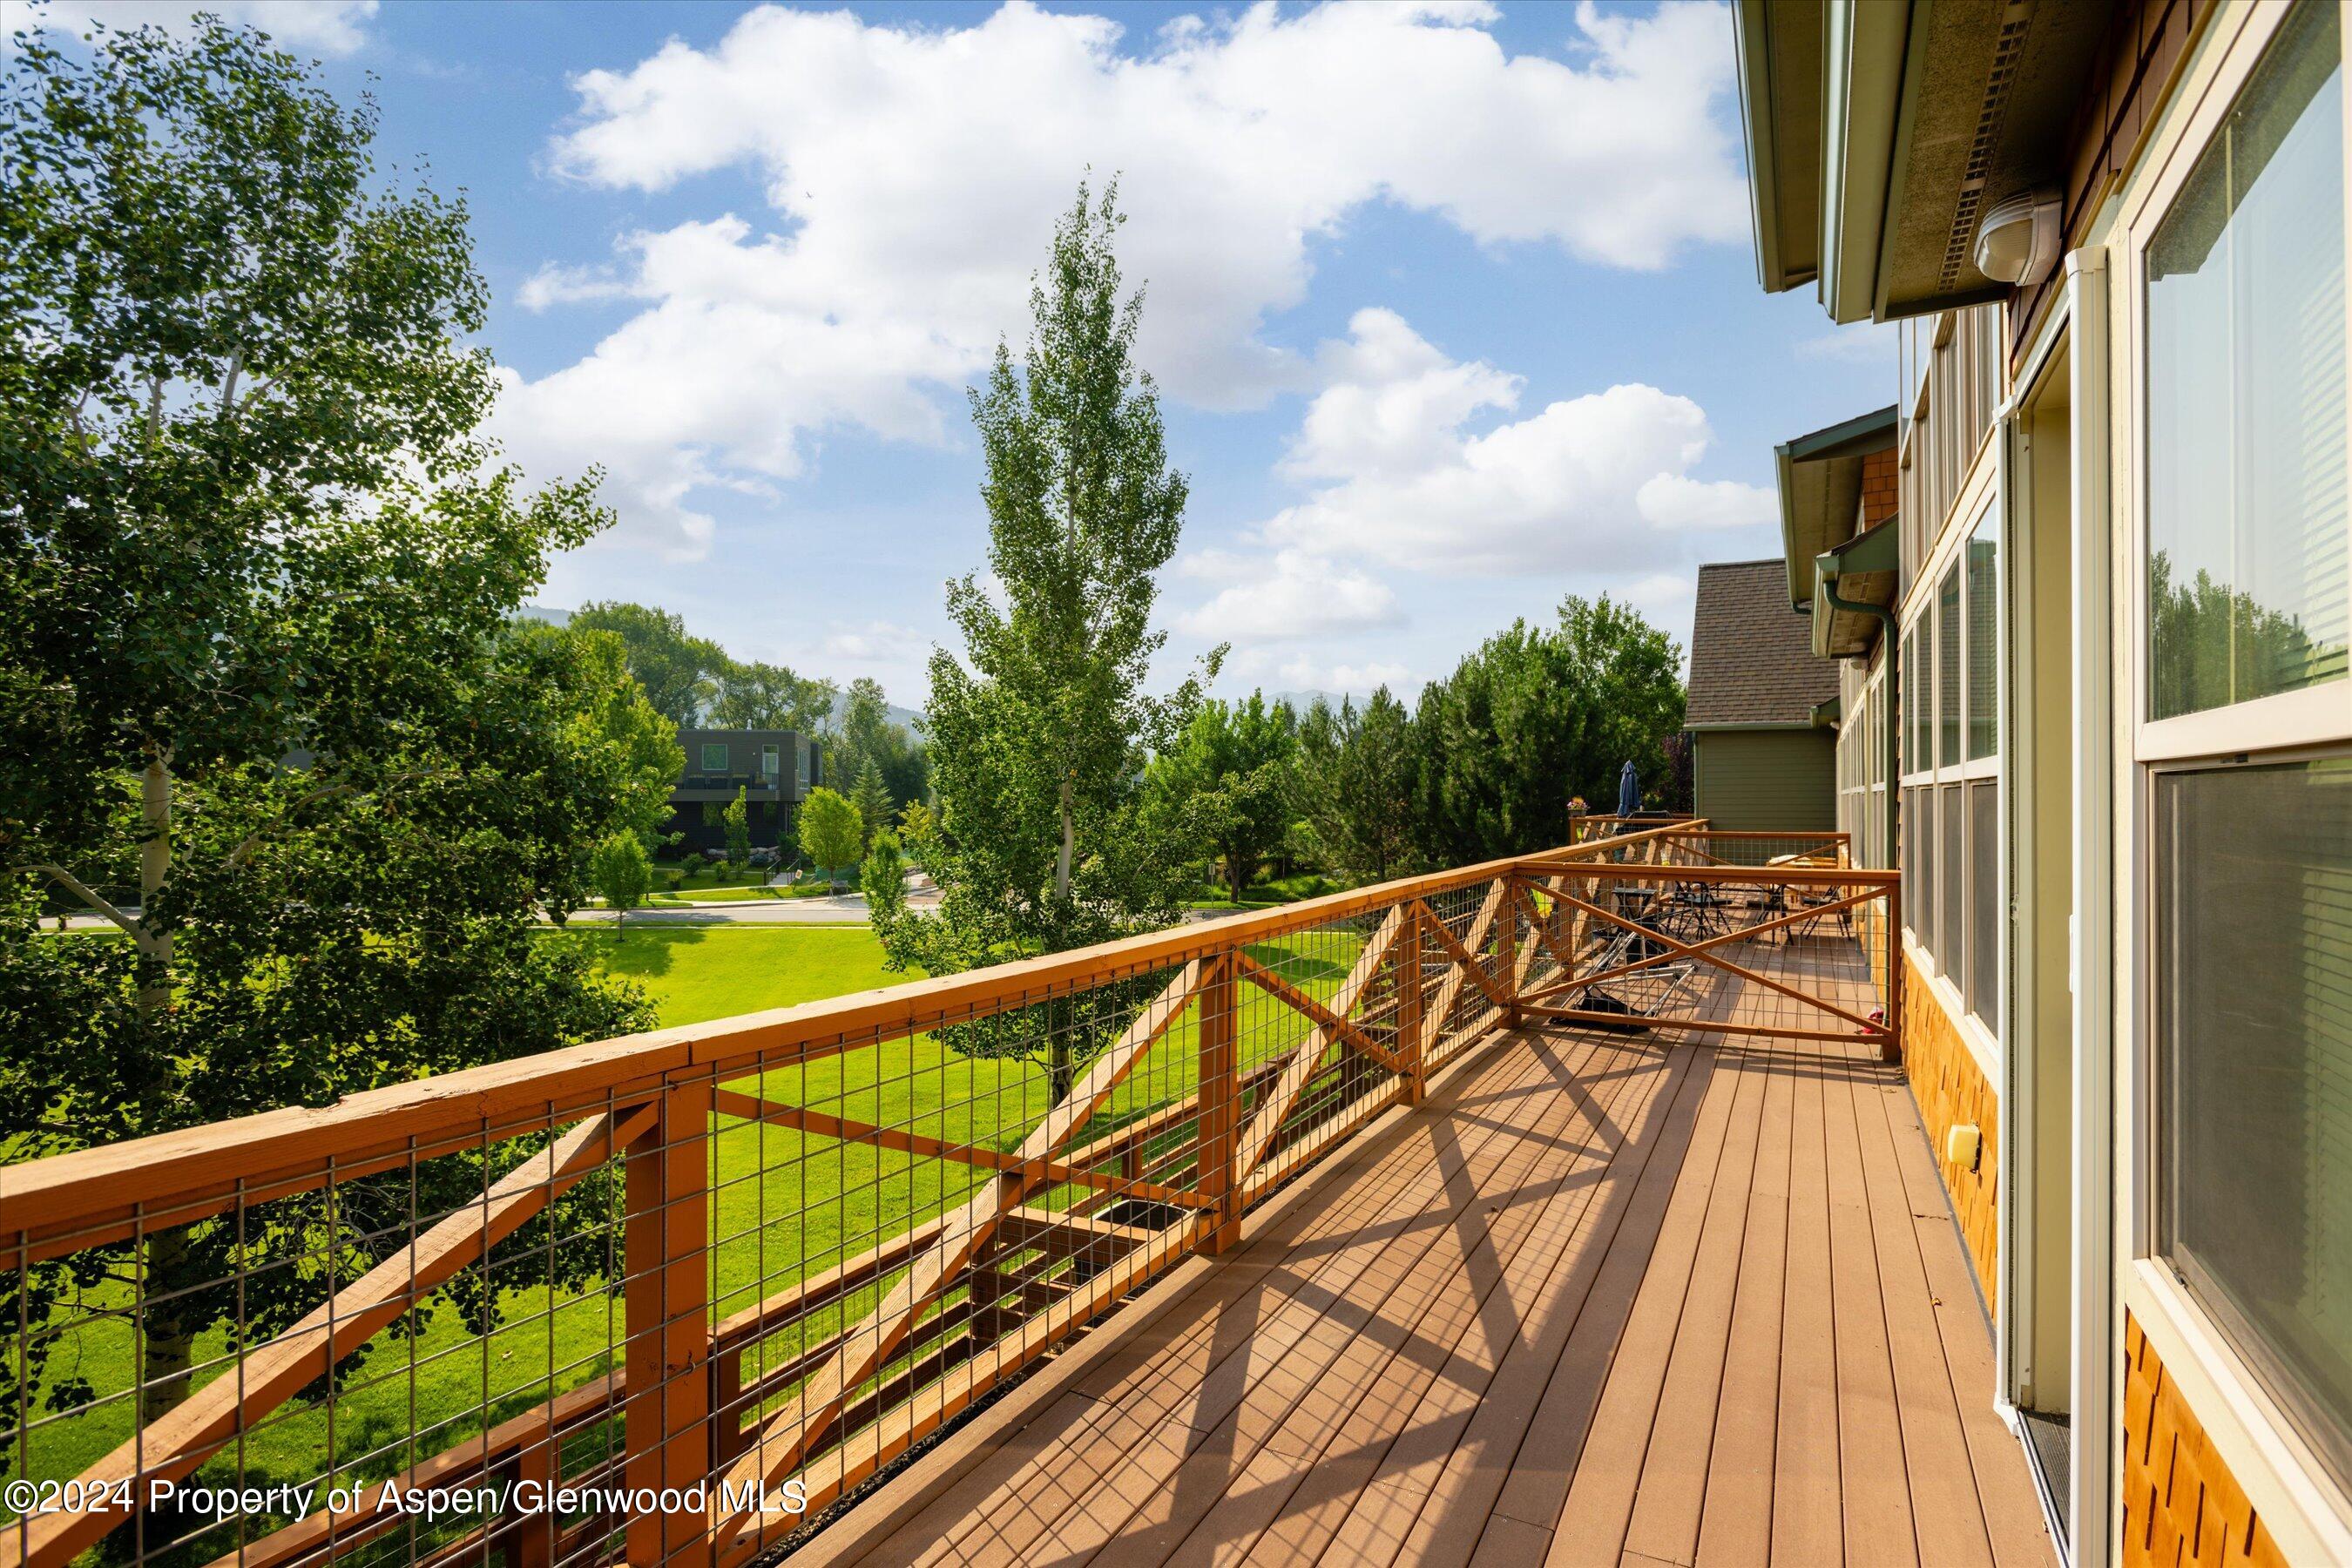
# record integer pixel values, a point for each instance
(1039, 732)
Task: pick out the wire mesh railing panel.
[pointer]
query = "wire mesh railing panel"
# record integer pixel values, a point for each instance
(1783, 949)
(663, 1298)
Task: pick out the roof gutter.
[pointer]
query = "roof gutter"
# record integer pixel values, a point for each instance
(1863, 47)
(1826, 582)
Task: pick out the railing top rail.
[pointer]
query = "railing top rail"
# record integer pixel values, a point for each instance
(171, 1178)
(1795, 875)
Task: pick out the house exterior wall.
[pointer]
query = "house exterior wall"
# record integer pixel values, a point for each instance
(1952, 1089)
(2206, 1435)
(2180, 1502)
(1766, 780)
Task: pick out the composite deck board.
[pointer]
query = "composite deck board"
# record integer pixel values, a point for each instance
(1360, 1246)
(1225, 1526)
(1604, 1297)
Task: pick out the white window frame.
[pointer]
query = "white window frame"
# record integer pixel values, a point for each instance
(2290, 1486)
(1978, 506)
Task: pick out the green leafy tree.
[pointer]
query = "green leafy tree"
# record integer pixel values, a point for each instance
(882, 877)
(1355, 786)
(615, 721)
(737, 820)
(867, 734)
(769, 696)
(256, 674)
(831, 831)
(871, 796)
(622, 873)
(1229, 777)
(677, 671)
(1038, 734)
(1534, 718)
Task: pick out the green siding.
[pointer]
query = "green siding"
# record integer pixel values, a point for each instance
(1767, 780)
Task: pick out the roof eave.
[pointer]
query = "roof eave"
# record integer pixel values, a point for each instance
(1861, 82)
(1760, 131)
(1802, 537)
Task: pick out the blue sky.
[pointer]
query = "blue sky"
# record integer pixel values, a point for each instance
(1453, 306)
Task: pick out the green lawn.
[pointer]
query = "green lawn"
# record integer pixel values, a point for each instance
(697, 972)
(784, 1205)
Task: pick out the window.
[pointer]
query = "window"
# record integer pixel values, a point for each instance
(2246, 521)
(1918, 830)
(1920, 691)
(1986, 921)
(1947, 667)
(1984, 604)
(1953, 861)
(714, 756)
(2244, 973)
(2253, 1046)
(1951, 884)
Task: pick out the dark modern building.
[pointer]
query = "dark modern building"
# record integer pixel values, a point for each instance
(775, 768)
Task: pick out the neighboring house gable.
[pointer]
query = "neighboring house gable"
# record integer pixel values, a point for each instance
(1761, 765)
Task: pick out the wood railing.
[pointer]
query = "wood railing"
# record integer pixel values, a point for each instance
(739, 1268)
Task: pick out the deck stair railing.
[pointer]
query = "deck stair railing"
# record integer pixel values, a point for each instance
(665, 1299)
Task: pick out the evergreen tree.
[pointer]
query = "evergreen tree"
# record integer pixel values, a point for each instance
(1038, 734)
(872, 799)
(1534, 718)
(1354, 786)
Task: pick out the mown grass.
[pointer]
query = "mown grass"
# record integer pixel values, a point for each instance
(783, 1205)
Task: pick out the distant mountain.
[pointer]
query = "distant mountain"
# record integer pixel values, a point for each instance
(544, 613)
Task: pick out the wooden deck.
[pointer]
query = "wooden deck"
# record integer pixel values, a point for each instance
(1602, 1299)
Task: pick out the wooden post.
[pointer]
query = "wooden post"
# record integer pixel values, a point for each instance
(1891, 1050)
(1412, 1020)
(530, 1537)
(1506, 951)
(666, 1432)
(726, 1406)
(1220, 1113)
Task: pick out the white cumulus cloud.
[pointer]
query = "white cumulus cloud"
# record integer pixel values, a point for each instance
(912, 173)
(1293, 594)
(1585, 483)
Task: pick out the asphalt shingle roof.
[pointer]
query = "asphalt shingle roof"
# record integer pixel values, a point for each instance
(1751, 658)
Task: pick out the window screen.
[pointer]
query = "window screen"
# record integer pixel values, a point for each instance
(1952, 883)
(1947, 667)
(2245, 392)
(1986, 921)
(714, 757)
(1917, 826)
(2253, 1037)
(1984, 641)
